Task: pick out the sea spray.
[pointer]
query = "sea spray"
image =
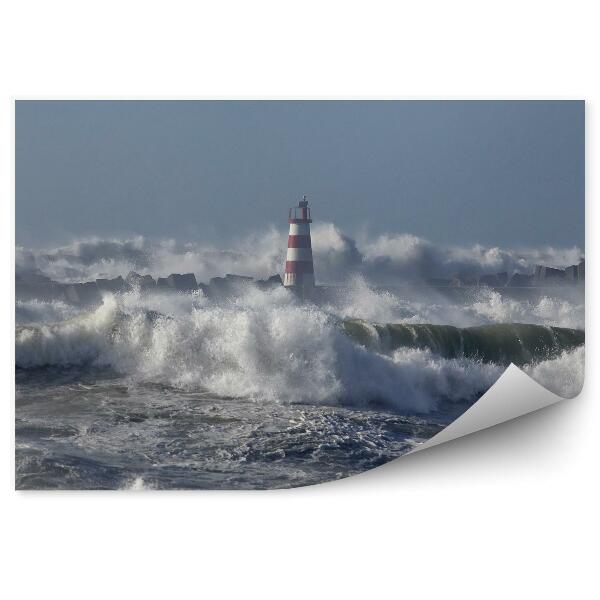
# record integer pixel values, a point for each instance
(269, 346)
(465, 307)
(563, 375)
(39, 311)
(381, 260)
(181, 391)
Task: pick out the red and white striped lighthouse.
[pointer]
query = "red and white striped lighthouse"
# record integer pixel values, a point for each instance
(299, 271)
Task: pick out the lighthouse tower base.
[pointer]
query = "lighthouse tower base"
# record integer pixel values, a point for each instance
(302, 292)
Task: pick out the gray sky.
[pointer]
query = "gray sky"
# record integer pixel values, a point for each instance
(498, 173)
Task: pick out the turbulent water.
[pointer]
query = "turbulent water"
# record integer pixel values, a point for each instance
(263, 391)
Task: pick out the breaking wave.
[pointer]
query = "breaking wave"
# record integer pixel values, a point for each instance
(269, 346)
(564, 308)
(563, 375)
(38, 311)
(381, 260)
(503, 344)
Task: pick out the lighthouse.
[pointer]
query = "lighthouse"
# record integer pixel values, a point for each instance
(299, 271)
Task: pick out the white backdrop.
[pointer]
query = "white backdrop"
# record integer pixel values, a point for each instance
(511, 512)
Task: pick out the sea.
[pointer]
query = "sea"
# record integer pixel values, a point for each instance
(264, 390)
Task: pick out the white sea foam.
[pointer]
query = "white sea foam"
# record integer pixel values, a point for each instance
(490, 306)
(564, 375)
(39, 311)
(137, 484)
(381, 260)
(485, 306)
(260, 346)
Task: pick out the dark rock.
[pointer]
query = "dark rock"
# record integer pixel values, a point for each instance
(83, 293)
(218, 285)
(141, 282)
(272, 282)
(576, 273)
(238, 278)
(544, 275)
(230, 285)
(182, 283)
(112, 285)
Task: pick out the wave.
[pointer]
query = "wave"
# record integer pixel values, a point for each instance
(563, 375)
(502, 344)
(39, 311)
(478, 306)
(269, 346)
(381, 260)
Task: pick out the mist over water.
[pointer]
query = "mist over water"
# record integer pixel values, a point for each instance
(382, 260)
(261, 390)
